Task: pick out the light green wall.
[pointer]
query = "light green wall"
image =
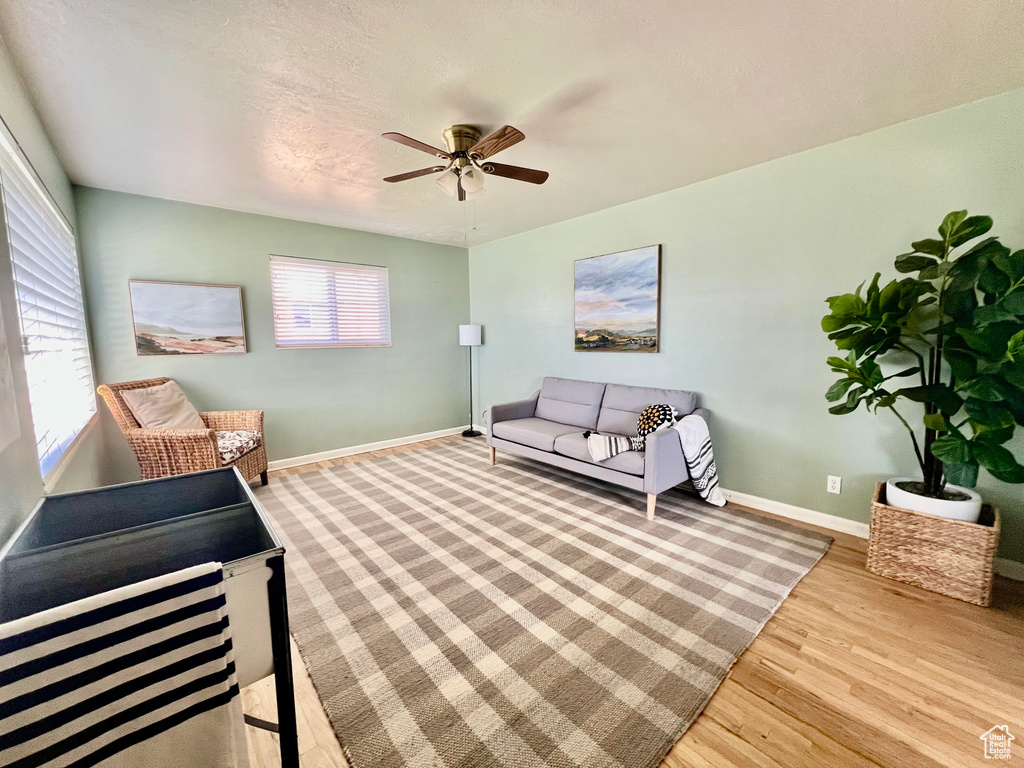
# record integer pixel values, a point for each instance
(20, 483)
(747, 261)
(315, 399)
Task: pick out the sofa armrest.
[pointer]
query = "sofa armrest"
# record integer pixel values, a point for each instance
(519, 409)
(704, 413)
(664, 465)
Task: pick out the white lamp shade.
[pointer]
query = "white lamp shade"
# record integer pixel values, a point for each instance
(449, 182)
(472, 179)
(469, 335)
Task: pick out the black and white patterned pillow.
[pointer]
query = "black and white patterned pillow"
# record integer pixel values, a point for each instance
(652, 419)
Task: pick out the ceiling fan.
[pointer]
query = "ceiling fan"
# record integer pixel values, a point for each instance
(467, 160)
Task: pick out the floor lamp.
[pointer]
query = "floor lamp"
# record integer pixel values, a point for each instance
(469, 336)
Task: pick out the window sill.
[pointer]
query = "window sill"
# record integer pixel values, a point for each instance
(51, 478)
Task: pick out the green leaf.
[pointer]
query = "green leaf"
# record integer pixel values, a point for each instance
(995, 436)
(960, 305)
(931, 247)
(983, 388)
(970, 228)
(839, 389)
(935, 421)
(846, 305)
(841, 363)
(1015, 346)
(984, 341)
(1014, 475)
(852, 401)
(950, 223)
(936, 271)
(988, 415)
(831, 323)
(942, 395)
(993, 280)
(904, 373)
(1014, 302)
(1011, 264)
(911, 262)
(995, 458)
(951, 449)
(965, 475)
(962, 363)
(1013, 372)
(968, 265)
(992, 314)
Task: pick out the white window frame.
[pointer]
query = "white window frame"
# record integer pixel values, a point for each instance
(49, 214)
(331, 307)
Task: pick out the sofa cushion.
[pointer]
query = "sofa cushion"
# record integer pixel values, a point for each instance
(534, 432)
(623, 405)
(574, 446)
(569, 401)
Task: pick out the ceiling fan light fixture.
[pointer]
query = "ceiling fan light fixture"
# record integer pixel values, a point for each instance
(472, 180)
(449, 182)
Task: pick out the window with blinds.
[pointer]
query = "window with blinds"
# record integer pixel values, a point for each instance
(329, 304)
(51, 308)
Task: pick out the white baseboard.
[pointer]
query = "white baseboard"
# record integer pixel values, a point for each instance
(793, 512)
(337, 453)
(1011, 569)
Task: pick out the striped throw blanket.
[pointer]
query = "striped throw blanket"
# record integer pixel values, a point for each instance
(603, 447)
(143, 675)
(700, 458)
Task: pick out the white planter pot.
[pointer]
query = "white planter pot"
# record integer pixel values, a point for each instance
(955, 510)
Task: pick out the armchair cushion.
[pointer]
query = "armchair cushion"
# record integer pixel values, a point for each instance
(163, 406)
(234, 444)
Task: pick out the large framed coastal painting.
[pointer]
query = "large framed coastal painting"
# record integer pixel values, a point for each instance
(187, 318)
(617, 301)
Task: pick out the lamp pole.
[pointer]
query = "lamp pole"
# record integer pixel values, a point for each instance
(470, 336)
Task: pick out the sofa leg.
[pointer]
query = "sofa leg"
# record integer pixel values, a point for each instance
(652, 499)
(264, 477)
(494, 455)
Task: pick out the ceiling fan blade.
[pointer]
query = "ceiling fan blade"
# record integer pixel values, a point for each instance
(402, 139)
(503, 138)
(462, 192)
(415, 174)
(515, 172)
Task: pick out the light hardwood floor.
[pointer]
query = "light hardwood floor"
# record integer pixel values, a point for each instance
(853, 670)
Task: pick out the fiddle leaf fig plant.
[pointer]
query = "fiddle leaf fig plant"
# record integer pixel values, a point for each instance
(953, 331)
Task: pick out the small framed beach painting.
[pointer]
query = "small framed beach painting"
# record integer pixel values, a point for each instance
(617, 299)
(187, 318)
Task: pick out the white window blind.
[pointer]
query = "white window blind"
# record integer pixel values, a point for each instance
(329, 304)
(51, 308)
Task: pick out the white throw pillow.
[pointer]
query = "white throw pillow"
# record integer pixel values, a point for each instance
(162, 407)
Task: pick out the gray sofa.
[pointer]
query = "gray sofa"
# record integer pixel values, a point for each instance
(549, 427)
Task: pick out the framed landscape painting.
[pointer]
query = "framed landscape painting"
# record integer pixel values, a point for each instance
(187, 318)
(617, 300)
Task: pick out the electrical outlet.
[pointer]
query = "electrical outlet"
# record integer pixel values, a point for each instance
(835, 484)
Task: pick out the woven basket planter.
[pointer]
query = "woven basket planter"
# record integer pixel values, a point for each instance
(951, 557)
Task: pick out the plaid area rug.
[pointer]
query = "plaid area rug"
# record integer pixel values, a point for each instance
(452, 613)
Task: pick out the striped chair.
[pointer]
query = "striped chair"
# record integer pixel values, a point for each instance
(163, 452)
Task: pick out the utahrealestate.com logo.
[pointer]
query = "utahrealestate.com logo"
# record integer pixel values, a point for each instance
(997, 742)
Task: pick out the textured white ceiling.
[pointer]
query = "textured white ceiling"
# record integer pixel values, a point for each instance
(278, 107)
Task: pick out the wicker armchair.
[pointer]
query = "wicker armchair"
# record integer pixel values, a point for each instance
(163, 452)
